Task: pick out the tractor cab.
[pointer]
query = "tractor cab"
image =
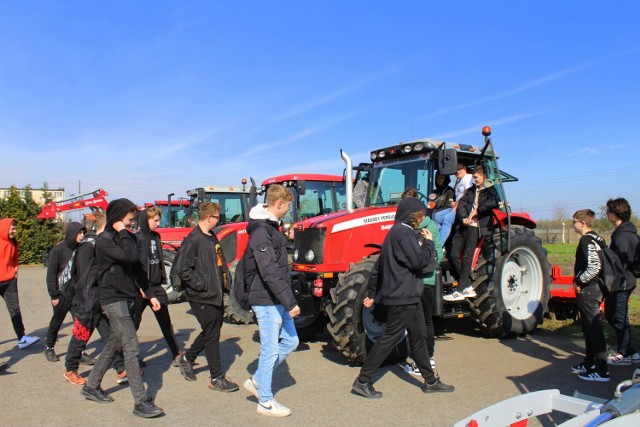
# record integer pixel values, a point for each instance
(313, 194)
(414, 165)
(235, 203)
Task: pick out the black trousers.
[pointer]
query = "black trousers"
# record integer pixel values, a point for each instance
(84, 323)
(588, 301)
(399, 318)
(464, 242)
(59, 313)
(616, 310)
(427, 301)
(210, 318)
(9, 292)
(164, 321)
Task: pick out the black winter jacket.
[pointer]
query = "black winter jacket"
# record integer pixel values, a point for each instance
(59, 257)
(624, 242)
(202, 278)
(399, 270)
(120, 274)
(147, 241)
(267, 256)
(444, 195)
(488, 200)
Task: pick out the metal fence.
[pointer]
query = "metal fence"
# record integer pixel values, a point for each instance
(566, 235)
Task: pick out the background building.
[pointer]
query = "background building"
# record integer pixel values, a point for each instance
(37, 195)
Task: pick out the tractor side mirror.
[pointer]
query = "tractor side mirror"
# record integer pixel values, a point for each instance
(447, 161)
(301, 186)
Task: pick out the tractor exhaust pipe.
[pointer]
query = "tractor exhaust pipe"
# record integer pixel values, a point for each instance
(348, 179)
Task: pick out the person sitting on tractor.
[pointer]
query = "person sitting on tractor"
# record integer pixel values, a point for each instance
(475, 220)
(444, 214)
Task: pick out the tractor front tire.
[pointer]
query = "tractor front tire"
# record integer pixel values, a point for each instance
(232, 309)
(352, 327)
(513, 297)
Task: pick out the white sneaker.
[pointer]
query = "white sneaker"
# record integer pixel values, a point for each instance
(412, 369)
(26, 341)
(432, 360)
(273, 408)
(455, 296)
(251, 387)
(469, 292)
(635, 358)
(617, 359)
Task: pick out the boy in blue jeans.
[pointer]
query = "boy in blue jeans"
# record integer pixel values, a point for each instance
(270, 296)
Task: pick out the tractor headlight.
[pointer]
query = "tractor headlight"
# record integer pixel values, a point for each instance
(310, 255)
(296, 253)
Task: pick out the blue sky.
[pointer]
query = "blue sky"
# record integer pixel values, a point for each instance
(148, 98)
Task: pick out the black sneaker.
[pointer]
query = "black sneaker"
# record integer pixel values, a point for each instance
(87, 360)
(365, 390)
(186, 369)
(593, 375)
(51, 355)
(581, 368)
(95, 394)
(147, 409)
(437, 387)
(223, 385)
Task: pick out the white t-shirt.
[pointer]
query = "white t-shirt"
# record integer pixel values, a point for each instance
(462, 184)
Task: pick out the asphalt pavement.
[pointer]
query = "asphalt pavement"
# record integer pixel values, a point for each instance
(315, 382)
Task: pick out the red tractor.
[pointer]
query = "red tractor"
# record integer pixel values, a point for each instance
(313, 195)
(235, 203)
(334, 254)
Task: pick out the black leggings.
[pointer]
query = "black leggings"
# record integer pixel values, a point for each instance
(59, 314)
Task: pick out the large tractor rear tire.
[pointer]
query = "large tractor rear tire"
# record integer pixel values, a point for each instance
(232, 309)
(173, 295)
(353, 328)
(512, 294)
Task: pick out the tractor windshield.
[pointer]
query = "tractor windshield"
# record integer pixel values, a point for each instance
(231, 207)
(319, 198)
(392, 177)
(178, 214)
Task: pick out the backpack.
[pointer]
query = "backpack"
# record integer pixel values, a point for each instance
(87, 285)
(242, 283)
(634, 264)
(68, 275)
(173, 274)
(612, 277)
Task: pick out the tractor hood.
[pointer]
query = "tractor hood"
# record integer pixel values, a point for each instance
(344, 220)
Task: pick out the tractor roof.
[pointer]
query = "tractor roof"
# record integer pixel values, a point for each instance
(302, 176)
(425, 145)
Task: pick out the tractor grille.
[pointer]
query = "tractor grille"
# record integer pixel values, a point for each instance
(311, 238)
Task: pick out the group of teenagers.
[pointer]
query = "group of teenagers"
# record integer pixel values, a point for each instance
(118, 271)
(404, 275)
(590, 292)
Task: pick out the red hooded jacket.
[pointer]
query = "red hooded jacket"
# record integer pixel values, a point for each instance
(8, 252)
